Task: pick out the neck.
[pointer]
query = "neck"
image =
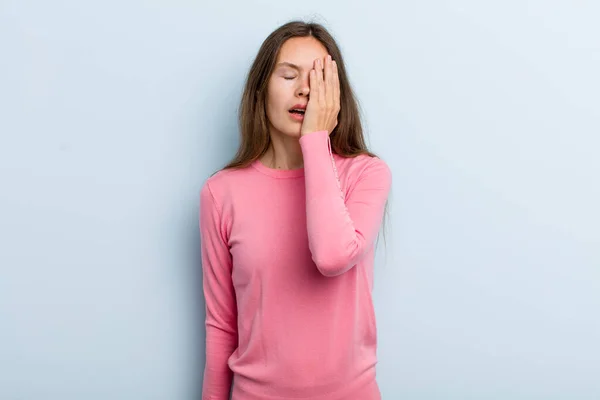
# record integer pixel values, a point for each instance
(284, 152)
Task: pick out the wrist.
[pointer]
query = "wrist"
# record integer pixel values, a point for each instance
(313, 131)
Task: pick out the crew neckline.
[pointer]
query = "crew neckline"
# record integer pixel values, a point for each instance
(278, 173)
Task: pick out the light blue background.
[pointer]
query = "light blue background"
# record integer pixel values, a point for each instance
(113, 113)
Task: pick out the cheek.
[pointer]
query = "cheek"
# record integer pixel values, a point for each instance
(274, 107)
(278, 97)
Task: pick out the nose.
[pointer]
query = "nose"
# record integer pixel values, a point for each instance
(304, 89)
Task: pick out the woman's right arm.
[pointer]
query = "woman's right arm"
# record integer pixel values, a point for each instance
(219, 294)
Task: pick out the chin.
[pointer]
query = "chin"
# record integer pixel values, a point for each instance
(291, 130)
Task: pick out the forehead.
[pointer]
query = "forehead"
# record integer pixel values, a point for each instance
(301, 51)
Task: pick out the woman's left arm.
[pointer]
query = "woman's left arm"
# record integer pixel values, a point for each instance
(340, 231)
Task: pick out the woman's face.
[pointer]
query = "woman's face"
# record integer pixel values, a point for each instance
(289, 83)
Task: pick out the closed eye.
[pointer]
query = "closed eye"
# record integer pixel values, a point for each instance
(289, 77)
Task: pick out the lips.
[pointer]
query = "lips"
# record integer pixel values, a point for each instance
(298, 109)
(297, 112)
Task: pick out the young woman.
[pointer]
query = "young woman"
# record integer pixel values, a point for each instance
(288, 233)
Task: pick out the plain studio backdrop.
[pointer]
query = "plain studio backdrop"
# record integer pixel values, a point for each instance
(114, 113)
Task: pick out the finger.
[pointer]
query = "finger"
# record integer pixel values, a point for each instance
(320, 84)
(314, 89)
(336, 84)
(329, 93)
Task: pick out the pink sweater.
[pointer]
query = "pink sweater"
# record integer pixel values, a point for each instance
(287, 261)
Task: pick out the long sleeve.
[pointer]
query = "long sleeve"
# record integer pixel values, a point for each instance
(340, 230)
(219, 294)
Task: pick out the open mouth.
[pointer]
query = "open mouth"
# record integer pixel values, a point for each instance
(297, 111)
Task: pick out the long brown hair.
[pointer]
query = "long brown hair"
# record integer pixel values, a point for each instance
(347, 138)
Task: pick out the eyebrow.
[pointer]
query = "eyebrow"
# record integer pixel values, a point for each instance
(288, 64)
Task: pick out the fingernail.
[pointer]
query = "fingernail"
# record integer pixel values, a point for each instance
(329, 57)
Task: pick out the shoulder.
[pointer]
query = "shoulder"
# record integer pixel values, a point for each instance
(363, 167)
(219, 186)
